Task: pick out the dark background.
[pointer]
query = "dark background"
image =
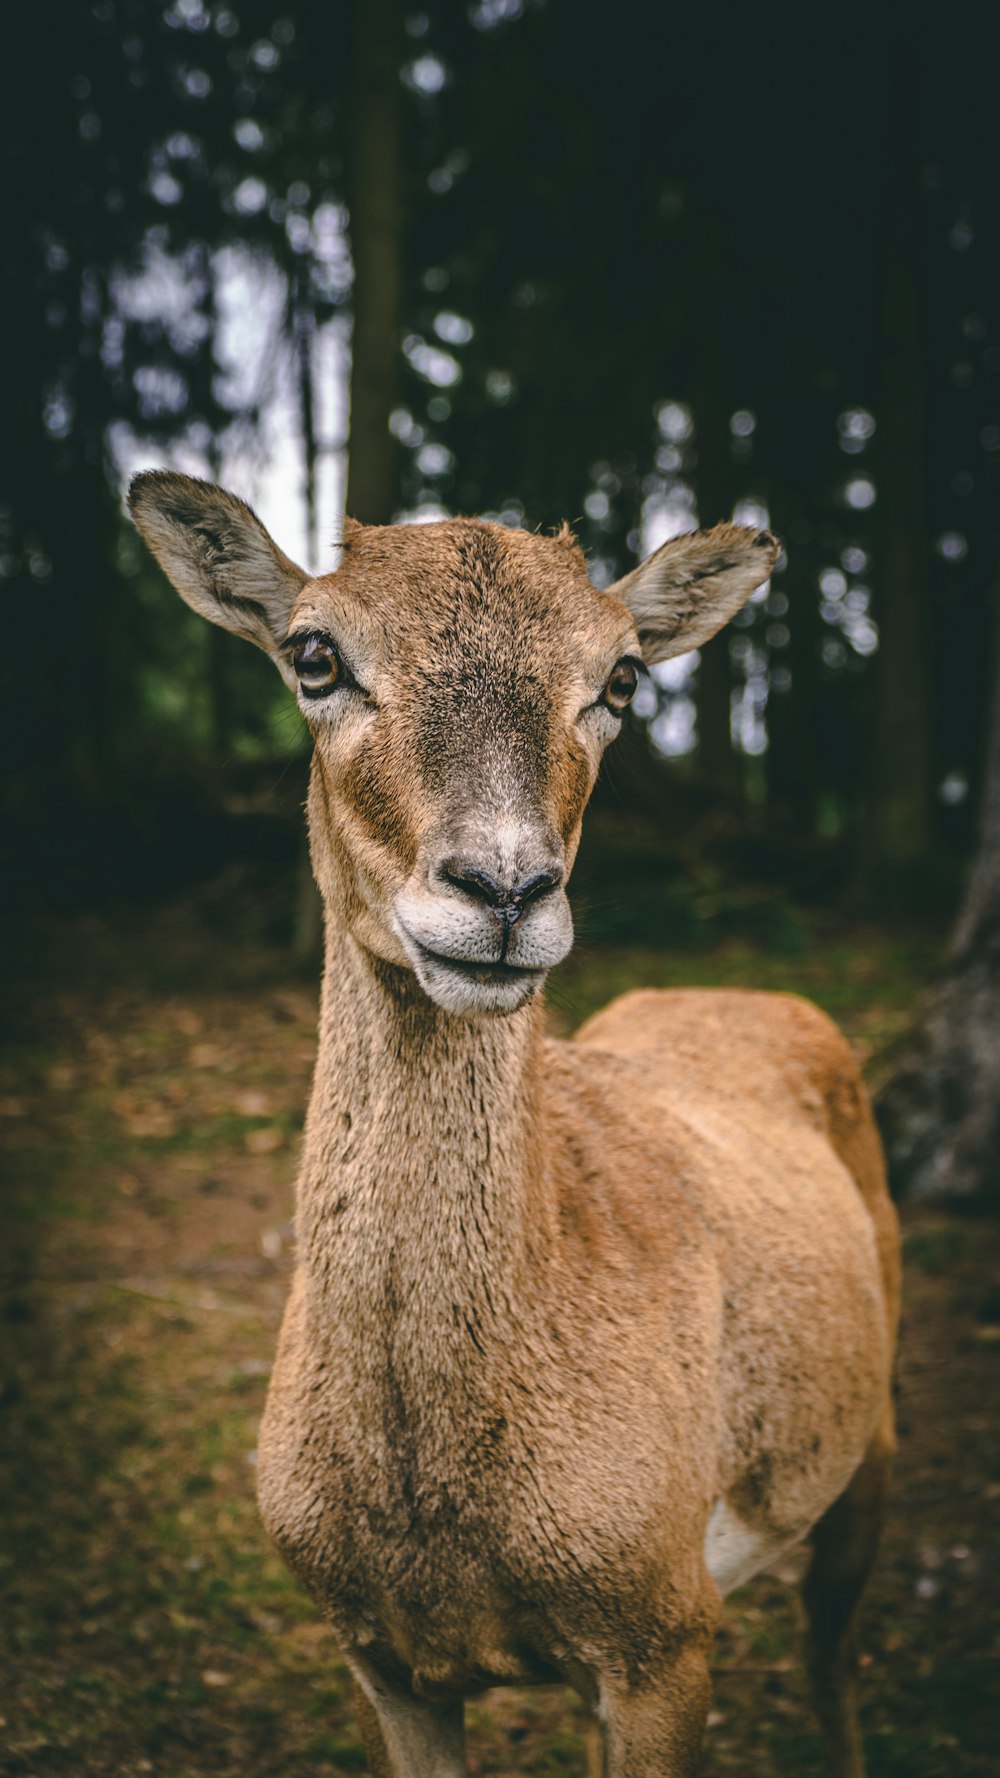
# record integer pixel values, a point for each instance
(781, 239)
(634, 266)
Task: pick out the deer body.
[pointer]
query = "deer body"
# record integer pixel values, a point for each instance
(581, 1334)
(536, 1334)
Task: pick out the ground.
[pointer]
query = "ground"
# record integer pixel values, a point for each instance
(151, 1112)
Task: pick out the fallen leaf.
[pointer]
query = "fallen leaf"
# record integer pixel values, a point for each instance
(205, 1055)
(252, 1104)
(264, 1141)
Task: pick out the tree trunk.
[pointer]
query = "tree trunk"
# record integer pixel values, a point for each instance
(939, 1112)
(374, 195)
(304, 333)
(307, 922)
(717, 757)
(897, 830)
(374, 179)
(793, 774)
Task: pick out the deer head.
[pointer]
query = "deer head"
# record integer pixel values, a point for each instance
(461, 682)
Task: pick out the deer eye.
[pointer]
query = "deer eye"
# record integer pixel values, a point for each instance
(620, 689)
(318, 666)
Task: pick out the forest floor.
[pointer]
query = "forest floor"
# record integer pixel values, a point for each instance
(151, 1110)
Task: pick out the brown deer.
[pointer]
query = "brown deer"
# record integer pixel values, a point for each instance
(581, 1335)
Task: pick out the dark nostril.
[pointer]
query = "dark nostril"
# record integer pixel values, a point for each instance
(533, 888)
(506, 900)
(475, 882)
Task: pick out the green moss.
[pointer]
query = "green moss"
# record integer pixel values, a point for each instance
(347, 1756)
(937, 1250)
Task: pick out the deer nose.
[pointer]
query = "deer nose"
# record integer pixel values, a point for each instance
(507, 900)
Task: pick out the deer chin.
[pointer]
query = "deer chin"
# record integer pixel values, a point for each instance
(452, 951)
(474, 990)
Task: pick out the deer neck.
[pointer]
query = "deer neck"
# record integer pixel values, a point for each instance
(422, 1196)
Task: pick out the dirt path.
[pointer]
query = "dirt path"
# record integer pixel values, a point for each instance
(150, 1152)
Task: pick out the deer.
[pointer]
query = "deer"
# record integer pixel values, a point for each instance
(581, 1334)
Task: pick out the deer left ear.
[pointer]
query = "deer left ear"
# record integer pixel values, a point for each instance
(693, 585)
(219, 557)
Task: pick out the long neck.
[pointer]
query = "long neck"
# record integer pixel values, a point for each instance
(422, 1194)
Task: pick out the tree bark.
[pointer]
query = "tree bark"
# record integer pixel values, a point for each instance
(897, 830)
(939, 1112)
(373, 175)
(304, 335)
(374, 185)
(793, 774)
(717, 757)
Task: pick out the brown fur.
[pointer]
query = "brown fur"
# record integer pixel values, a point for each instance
(577, 1330)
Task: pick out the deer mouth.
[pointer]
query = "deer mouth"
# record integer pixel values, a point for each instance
(481, 970)
(471, 987)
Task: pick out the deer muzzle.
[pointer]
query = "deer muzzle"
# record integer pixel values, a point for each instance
(483, 922)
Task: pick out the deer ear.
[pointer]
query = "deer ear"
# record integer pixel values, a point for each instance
(219, 557)
(693, 585)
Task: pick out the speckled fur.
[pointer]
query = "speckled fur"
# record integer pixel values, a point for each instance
(554, 1302)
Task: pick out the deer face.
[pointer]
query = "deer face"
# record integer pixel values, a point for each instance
(461, 682)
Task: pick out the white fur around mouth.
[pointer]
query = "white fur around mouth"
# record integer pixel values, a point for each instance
(481, 969)
(470, 984)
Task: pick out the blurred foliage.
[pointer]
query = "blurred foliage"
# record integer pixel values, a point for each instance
(645, 273)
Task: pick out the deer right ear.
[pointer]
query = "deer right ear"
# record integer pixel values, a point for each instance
(694, 584)
(219, 557)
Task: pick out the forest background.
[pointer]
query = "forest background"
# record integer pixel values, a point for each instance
(639, 268)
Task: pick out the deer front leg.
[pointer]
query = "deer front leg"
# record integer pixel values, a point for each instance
(845, 1543)
(654, 1730)
(408, 1737)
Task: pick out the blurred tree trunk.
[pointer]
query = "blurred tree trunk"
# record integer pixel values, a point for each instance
(940, 1110)
(217, 642)
(374, 196)
(304, 334)
(633, 780)
(716, 499)
(307, 918)
(793, 778)
(715, 693)
(896, 833)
